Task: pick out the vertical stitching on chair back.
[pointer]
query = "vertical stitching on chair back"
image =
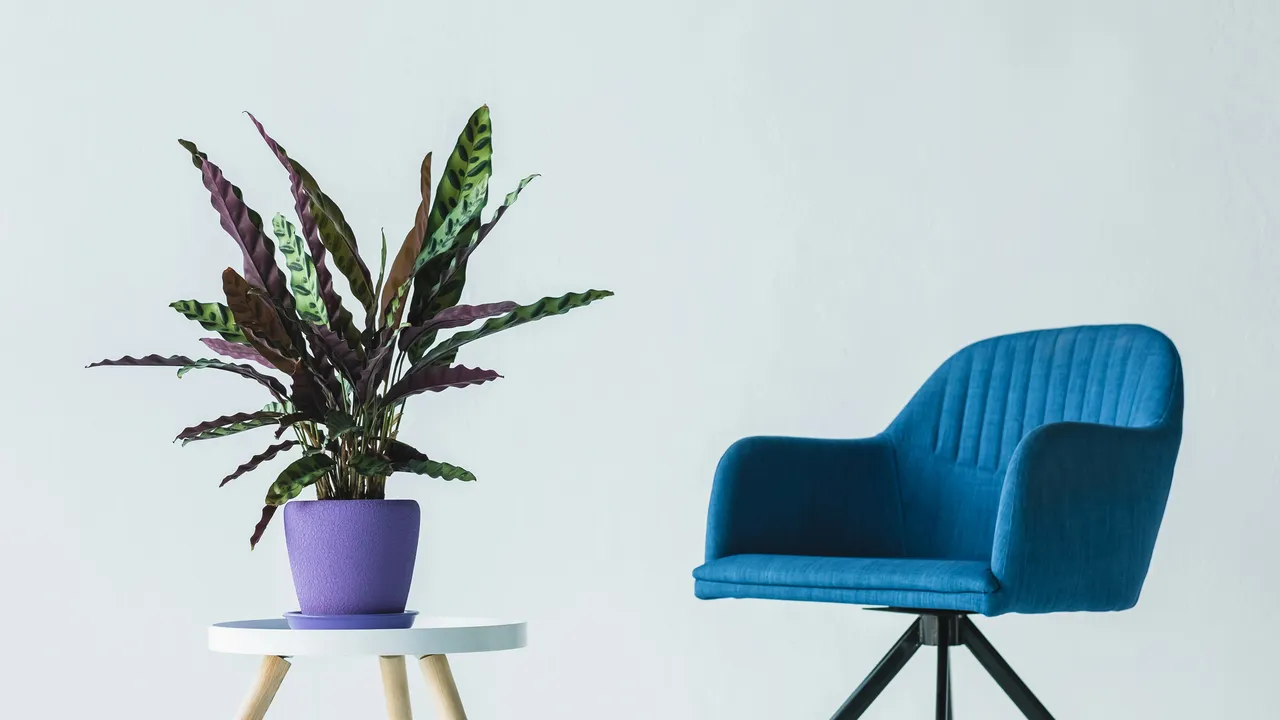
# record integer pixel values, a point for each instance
(954, 439)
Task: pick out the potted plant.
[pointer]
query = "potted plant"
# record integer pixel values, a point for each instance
(338, 380)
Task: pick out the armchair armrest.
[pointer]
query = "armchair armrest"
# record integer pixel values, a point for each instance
(802, 496)
(1079, 513)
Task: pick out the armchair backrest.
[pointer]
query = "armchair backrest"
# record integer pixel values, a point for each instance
(954, 439)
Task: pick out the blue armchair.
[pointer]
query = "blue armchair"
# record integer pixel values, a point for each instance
(1029, 474)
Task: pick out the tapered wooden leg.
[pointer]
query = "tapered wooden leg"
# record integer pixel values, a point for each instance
(435, 668)
(270, 674)
(395, 686)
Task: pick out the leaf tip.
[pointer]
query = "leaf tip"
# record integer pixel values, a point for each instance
(191, 148)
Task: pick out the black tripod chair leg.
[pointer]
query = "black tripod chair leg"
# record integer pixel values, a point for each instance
(950, 704)
(1000, 671)
(944, 678)
(881, 676)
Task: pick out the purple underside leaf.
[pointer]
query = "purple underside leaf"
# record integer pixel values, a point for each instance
(321, 367)
(236, 351)
(268, 512)
(302, 206)
(245, 227)
(456, 316)
(185, 364)
(327, 376)
(437, 378)
(258, 459)
(259, 261)
(308, 396)
(322, 222)
(300, 201)
(229, 421)
(374, 372)
(339, 353)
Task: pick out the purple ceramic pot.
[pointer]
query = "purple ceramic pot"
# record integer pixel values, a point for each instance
(352, 557)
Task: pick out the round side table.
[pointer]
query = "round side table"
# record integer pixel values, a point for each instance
(431, 640)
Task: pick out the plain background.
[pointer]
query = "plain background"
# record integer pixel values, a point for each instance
(803, 209)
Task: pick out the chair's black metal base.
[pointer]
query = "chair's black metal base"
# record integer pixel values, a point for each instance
(944, 630)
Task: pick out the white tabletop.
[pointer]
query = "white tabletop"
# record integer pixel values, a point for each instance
(428, 636)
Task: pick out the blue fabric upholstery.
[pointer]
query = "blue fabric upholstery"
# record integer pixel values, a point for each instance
(1028, 474)
(840, 573)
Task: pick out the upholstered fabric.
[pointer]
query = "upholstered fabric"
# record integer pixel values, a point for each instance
(1028, 474)
(840, 573)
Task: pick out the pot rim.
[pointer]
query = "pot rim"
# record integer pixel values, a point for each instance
(360, 500)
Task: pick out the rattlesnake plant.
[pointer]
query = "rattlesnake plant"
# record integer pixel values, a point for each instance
(337, 385)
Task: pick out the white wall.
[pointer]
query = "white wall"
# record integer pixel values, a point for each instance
(803, 208)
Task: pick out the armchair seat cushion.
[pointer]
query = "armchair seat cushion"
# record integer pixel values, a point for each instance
(963, 585)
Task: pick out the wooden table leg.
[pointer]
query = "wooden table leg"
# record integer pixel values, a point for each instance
(395, 686)
(435, 668)
(270, 674)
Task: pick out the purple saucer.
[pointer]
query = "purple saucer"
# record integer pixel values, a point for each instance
(381, 621)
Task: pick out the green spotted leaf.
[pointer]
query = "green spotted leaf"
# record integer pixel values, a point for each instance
(339, 424)
(227, 425)
(436, 469)
(546, 307)
(301, 473)
(275, 386)
(370, 465)
(469, 165)
(448, 271)
(471, 161)
(459, 225)
(447, 246)
(399, 457)
(338, 238)
(302, 272)
(212, 316)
